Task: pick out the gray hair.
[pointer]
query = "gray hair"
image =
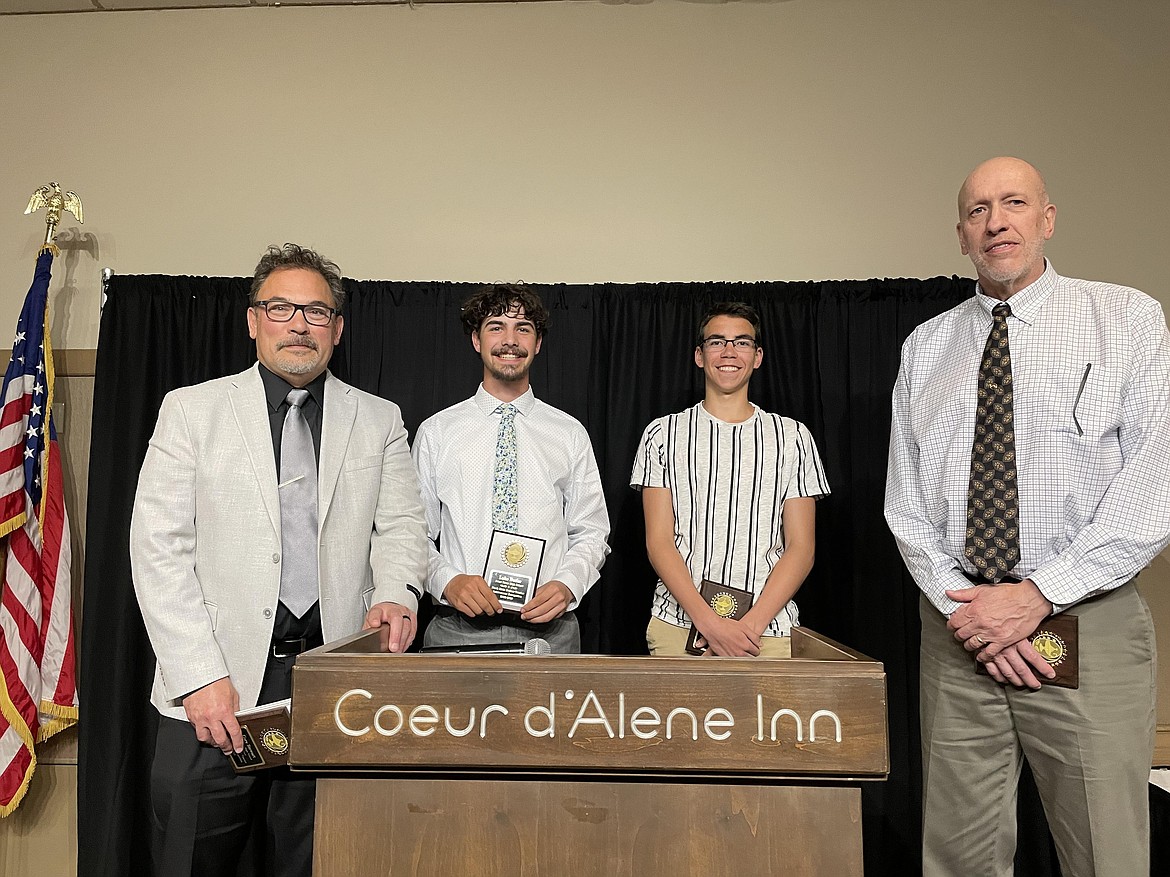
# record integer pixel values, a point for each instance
(296, 256)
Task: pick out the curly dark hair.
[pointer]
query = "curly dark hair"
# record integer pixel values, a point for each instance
(503, 298)
(731, 309)
(296, 256)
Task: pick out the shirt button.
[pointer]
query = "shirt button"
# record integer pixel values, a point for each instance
(276, 558)
(267, 613)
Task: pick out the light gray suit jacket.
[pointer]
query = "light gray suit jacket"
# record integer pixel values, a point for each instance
(205, 545)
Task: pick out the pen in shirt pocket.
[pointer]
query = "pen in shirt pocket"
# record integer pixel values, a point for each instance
(1077, 400)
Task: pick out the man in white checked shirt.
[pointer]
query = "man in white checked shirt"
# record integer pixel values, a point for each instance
(729, 493)
(1090, 382)
(504, 460)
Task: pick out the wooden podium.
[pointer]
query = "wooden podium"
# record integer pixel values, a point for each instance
(507, 765)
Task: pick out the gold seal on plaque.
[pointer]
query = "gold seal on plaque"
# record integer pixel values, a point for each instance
(275, 741)
(724, 604)
(1050, 647)
(515, 554)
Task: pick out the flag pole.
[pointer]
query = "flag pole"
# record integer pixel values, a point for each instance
(54, 201)
(38, 692)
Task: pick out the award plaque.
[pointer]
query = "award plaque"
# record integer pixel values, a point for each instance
(512, 569)
(1056, 641)
(266, 729)
(727, 603)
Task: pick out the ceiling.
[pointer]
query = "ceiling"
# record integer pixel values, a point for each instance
(33, 7)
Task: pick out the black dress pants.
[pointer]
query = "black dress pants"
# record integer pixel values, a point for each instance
(203, 812)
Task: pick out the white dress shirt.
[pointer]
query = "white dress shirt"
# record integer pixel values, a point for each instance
(560, 495)
(1091, 378)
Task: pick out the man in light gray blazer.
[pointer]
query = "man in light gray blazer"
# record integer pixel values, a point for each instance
(230, 579)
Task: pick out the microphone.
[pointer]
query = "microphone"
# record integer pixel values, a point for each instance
(534, 646)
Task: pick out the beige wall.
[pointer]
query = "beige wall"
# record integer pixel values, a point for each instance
(571, 142)
(579, 141)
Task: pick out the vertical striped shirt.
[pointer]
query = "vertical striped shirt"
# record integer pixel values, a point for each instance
(1091, 402)
(728, 483)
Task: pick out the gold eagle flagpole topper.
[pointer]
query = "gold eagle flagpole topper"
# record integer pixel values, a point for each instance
(52, 198)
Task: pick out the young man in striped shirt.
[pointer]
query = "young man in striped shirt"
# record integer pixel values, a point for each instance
(729, 494)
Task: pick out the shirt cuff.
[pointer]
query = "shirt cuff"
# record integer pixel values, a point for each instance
(952, 580)
(1061, 579)
(1043, 589)
(575, 587)
(438, 580)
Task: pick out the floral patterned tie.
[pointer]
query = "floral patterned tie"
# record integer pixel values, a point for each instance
(504, 513)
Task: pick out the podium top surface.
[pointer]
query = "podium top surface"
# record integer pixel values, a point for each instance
(807, 646)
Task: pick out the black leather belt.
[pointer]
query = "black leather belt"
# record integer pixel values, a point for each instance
(289, 648)
(1006, 580)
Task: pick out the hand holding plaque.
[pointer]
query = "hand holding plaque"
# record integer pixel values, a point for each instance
(471, 595)
(727, 602)
(551, 601)
(1057, 641)
(512, 569)
(266, 730)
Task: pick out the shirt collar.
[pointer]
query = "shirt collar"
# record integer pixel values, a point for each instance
(276, 388)
(487, 403)
(1026, 303)
(707, 414)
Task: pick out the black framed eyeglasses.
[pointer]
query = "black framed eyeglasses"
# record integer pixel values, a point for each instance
(282, 311)
(717, 342)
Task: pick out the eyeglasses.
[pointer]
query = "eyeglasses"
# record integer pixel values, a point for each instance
(282, 311)
(716, 343)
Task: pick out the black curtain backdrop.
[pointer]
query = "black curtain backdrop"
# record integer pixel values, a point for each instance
(615, 357)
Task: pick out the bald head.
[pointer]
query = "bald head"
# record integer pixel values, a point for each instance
(1004, 219)
(1005, 167)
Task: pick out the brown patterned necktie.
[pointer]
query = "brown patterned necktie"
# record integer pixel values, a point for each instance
(993, 530)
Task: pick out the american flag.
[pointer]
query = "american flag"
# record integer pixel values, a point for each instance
(38, 690)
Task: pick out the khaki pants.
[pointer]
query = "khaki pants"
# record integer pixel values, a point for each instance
(669, 640)
(1090, 749)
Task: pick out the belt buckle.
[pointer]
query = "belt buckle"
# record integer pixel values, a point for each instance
(279, 646)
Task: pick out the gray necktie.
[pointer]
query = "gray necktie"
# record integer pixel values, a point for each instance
(298, 509)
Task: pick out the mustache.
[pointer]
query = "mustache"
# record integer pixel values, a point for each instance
(300, 341)
(505, 348)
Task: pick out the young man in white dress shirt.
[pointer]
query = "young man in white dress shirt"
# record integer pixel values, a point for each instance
(1056, 513)
(729, 493)
(554, 488)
